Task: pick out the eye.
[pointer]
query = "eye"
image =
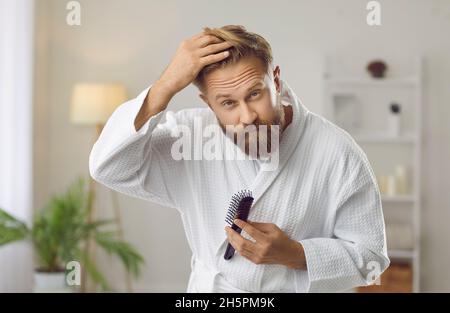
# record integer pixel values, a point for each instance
(227, 103)
(255, 93)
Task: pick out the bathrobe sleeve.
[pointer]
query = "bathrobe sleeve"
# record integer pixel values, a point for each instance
(356, 254)
(138, 163)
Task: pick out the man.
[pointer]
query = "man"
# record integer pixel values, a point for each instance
(316, 223)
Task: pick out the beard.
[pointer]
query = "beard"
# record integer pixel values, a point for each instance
(255, 140)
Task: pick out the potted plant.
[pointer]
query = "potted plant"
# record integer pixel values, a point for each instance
(60, 233)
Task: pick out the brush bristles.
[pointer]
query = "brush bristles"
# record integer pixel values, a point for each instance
(239, 206)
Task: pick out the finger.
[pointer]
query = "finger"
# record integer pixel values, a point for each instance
(246, 252)
(251, 257)
(263, 227)
(213, 58)
(198, 35)
(214, 48)
(238, 242)
(205, 40)
(251, 230)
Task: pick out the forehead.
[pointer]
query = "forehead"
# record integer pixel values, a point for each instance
(245, 71)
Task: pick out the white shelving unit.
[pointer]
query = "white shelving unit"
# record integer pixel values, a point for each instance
(359, 89)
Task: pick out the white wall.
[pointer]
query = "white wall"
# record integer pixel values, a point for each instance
(132, 42)
(16, 93)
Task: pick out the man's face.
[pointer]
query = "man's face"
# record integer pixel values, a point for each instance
(243, 94)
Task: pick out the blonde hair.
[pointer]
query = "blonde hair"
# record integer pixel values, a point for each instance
(245, 44)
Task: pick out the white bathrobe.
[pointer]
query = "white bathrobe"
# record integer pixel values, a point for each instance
(323, 194)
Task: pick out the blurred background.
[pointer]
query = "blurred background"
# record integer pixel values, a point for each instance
(65, 65)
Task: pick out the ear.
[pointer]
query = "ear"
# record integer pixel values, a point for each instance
(276, 78)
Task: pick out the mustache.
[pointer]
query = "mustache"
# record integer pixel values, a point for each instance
(255, 125)
(244, 132)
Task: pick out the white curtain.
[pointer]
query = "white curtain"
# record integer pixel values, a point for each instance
(16, 73)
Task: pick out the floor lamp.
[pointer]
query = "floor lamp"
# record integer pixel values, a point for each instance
(92, 105)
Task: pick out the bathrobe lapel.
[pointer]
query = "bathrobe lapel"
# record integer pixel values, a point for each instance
(288, 144)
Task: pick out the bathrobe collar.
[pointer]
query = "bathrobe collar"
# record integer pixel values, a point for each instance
(288, 143)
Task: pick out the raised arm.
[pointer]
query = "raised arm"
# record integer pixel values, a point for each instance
(132, 155)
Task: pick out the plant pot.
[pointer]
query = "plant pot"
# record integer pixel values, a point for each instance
(50, 282)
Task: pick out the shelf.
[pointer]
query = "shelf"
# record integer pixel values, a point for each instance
(380, 82)
(401, 254)
(346, 98)
(398, 198)
(381, 138)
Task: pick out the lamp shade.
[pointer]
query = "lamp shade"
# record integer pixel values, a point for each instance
(93, 104)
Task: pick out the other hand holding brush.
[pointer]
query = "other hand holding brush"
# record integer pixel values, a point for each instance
(272, 245)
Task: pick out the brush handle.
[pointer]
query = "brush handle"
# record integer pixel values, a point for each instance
(239, 208)
(230, 250)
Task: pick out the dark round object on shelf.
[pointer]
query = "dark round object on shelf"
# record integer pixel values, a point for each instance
(395, 108)
(377, 68)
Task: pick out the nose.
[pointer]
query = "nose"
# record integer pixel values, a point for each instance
(248, 115)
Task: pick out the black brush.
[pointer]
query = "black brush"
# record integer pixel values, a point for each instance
(239, 208)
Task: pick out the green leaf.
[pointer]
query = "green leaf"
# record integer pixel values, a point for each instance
(11, 229)
(129, 256)
(93, 272)
(61, 230)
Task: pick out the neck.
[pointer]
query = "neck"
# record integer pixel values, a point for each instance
(287, 116)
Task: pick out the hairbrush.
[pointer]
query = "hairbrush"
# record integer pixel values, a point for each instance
(239, 208)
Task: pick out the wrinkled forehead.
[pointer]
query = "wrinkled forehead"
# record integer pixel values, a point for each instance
(235, 76)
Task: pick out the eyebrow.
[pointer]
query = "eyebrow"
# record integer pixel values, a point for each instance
(220, 95)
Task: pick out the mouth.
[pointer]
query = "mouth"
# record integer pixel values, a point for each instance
(254, 140)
